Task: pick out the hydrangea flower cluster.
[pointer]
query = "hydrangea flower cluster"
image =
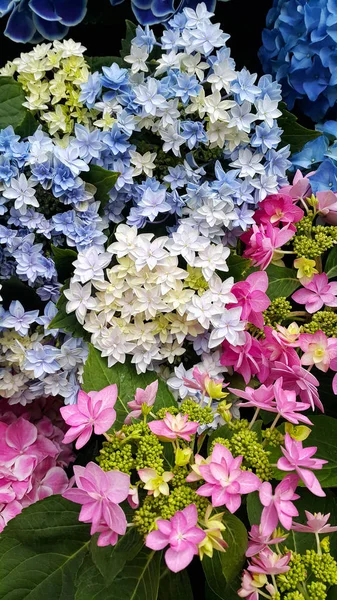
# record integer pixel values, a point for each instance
(33, 456)
(299, 50)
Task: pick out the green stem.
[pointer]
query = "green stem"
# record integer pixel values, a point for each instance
(257, 410)
(319, 549)
(274, 422)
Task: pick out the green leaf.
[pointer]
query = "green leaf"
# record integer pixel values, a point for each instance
(110, 560)
(130, 33)
(67, 323)
(97, 375)
(294, 134)
(63, 259)
(12, 98)
(175, 586)
(254, 508)
(331, 263)
(223, 568)
(139, 580)
(324, 436)
(28, 126)
(97, 62)
(282, 281)
(238, 266)
(41, 551)
(103, 180)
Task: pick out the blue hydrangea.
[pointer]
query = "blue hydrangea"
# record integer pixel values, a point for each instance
(300, 51)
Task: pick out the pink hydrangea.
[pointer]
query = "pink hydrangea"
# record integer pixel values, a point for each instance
(225, 481)
(278, 208)
(327, 206)
(262, 241)
(93, 412)
(173, 427)
(301, 381)
(316, 293)
(300, 187)
(278, 504)
(259, 540)
(248, 360)
(251, 296)
(182, 534)
(299, 459)
(270, 563)
(318, 350)
(316, 523)
(100, 494)
(143, 398)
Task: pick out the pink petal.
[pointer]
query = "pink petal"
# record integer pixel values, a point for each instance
(84, 437)
(269, 519)
(233, 502)
(114, 517)
(20, 434)
(311, 482)
(266, 493)
(104, 421)
(119, 485)
(76, 495)
(191, 515)
(156, 540)
(249, 482)
(177, 561)
(107, 396)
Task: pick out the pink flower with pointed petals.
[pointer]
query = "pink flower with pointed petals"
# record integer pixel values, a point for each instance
(261, 397)
(299, 380)
(269, 563)
(225, 481)
(248, 360)
(276, 347)
(93, 411)
(145, 397)
(316, 523)
(250, 586)
(287, 406)
(201, 381)
(316, 293)
(278, 208)
(263, 240)
(299, 459)
(181, 534)
(100, 493)
(278, 506)
(259, 540)
(173, 427)
(300, 187)
(319, 350)
(251, 296)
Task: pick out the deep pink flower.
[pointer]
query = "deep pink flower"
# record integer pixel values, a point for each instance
(276, 347)
(181, 534)
(278, 208)
(226, 482)
(100, 493)
(300, 187)
(248, 360)
(269, 563)
(316, 293)
(251, 296)
(146, 397)
(299, 459)
(263, 240)
(287, 406)
(316, 523)
(319, 350)
(259, 540)
(299, 380)
(93, 411)
(278, 506)
(173, 427)
(261, 397)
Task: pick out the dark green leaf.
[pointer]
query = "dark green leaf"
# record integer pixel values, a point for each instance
(14, 289)
(97, 62)
(324, 436)
(65, 322)
(41, 551)
(175, 586)
(130, 33)
(254, 508)
(63, 259)
(12, 98)
(331, 263)
(139, 580)
(103, 180)
(282, 281)
(294, 134)
(110, 560)
(223, 568)
(28, 126)
(97, 375)
(238, 266)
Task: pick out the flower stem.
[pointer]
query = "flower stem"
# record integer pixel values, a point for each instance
(274, 422)
(257, 410)
(319, 549)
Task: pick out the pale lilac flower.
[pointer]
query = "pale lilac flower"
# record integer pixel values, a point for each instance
(144, 399)
(278, 505)
(93, 411)
(299, 459)
(181, 534)
(225, 481)
(173, 427)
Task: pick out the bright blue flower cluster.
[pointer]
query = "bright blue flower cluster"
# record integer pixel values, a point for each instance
(320, 155)
(300, 51)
